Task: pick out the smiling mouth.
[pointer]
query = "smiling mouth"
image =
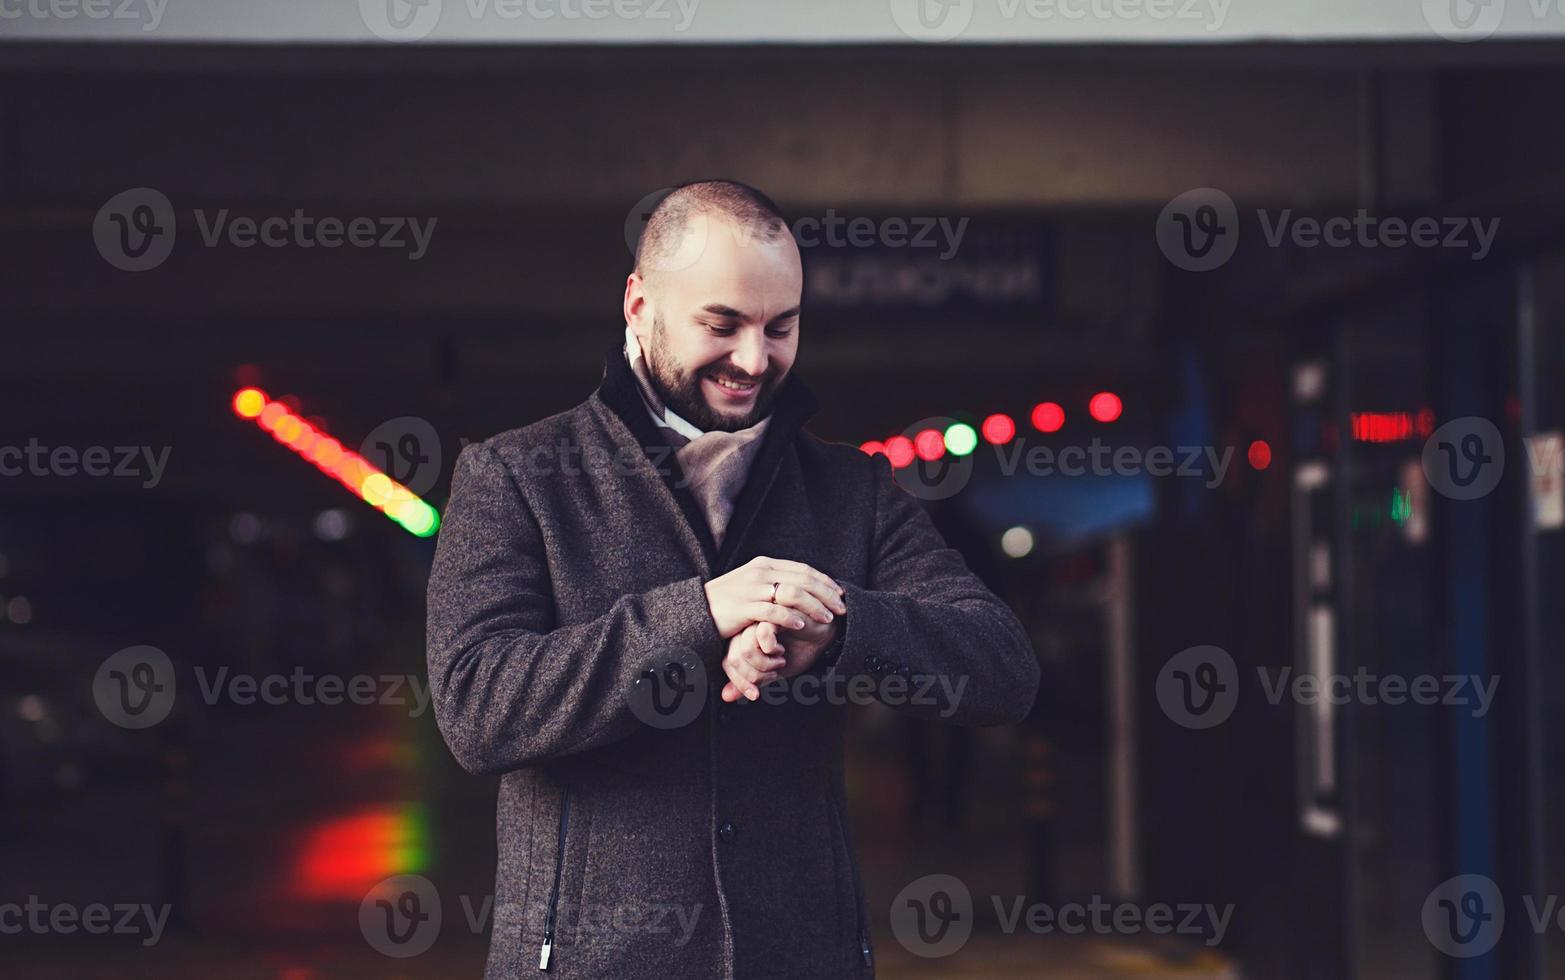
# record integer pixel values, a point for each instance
(734, 387)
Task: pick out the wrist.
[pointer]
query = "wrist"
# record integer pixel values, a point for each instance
(833, 649)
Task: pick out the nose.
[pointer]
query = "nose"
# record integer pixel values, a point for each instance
(750, 355)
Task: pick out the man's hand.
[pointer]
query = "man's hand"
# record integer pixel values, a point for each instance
(744, 596)
(761, 653)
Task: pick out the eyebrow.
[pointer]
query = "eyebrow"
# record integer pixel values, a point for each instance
(718, 309)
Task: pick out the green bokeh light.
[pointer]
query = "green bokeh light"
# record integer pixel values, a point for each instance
(961, 439)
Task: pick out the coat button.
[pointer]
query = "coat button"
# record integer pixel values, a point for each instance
(725, 833)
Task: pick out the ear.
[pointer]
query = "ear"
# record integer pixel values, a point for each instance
(638, 312)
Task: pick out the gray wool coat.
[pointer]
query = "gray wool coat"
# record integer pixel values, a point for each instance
(646, 829)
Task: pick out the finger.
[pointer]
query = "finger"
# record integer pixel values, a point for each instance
(775, 613)
(796, 597)
(762, 662)
(828, 592)
(808, 571)
(746, 648)
(766, 638)
(730, 693)
(740, 672)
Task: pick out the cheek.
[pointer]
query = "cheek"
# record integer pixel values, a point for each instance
(783, 355)
(695, 351)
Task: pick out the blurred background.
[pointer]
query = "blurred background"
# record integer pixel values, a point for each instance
(1296, 273)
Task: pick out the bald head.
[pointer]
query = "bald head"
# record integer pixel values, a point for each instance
(678, 228)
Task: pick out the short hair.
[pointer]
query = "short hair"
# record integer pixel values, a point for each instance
(664, 232)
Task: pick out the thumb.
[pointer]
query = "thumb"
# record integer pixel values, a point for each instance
(766, 636)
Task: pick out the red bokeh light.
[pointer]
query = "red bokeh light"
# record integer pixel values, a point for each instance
(930, 445)
(899, 449)
(999, 429)
(1260, 454)
(1048, 417)
(1105, 406)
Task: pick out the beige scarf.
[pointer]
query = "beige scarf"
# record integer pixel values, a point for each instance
(714, 463)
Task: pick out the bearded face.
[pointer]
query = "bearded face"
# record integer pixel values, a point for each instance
(712, 395)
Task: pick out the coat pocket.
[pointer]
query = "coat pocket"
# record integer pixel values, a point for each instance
(546, 952)
(863, 952)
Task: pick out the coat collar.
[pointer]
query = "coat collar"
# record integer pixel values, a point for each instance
(794, 406)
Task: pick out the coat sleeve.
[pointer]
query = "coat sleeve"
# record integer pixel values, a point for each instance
(924, 615)
(509, 688)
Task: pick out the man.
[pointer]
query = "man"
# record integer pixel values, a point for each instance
(619, 590)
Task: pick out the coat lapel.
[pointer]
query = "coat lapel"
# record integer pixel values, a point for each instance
(794, 406)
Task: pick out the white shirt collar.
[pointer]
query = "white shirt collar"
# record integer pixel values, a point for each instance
(669, 419)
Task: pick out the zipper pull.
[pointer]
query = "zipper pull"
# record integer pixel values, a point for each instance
(543, 954)
(864, 948)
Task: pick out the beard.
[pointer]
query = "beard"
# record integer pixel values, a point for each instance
(681, 389)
